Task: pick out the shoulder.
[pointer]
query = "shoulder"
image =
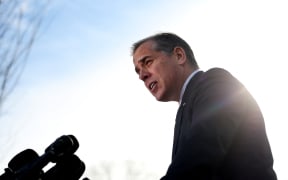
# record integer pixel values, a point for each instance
(217, 72)
(213, 82)
(218, 82)
(219, 76)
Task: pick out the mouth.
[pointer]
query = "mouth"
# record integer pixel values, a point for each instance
(152, 85)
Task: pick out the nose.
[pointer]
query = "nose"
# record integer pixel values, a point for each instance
(143, 74)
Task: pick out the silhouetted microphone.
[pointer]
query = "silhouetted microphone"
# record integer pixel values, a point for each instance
(69, 167)
(17, 162)
(22, 159)
(65, 145)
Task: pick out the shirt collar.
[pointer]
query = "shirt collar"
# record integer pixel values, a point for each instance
(186, 83)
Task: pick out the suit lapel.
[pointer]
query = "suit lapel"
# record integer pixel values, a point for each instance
(177, 129)
(178, 123)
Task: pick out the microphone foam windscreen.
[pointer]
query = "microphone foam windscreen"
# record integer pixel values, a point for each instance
(23, 158)
(70, 167)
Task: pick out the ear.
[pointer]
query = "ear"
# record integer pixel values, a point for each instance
(180, 55)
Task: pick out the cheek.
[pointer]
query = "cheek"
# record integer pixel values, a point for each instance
(166, 79)
(163, 72)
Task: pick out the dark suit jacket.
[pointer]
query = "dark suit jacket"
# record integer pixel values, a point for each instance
(219, 132)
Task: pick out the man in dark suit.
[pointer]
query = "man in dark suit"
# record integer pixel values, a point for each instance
(219, 132)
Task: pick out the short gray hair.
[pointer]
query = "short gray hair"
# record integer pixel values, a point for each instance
(166, 42)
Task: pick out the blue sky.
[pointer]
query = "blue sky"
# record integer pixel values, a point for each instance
(80, 79)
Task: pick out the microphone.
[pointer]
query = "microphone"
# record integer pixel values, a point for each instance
(21, 159)
(69, 167)
(65, 145)
(17, 162)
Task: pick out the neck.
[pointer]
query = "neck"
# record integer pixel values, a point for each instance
(186, 75)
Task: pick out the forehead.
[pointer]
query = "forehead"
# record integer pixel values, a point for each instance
(144, 50)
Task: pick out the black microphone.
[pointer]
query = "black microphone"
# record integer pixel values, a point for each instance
(23, 158)
(69, 167)
(17, 162)
(65, 145)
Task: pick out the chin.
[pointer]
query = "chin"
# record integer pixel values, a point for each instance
(161, 99)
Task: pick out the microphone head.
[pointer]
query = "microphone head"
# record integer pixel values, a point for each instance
(20, 166)
(22, 159)
(64, 145)
(69, 167)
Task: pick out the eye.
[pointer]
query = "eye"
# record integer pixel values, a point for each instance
(148, 62)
